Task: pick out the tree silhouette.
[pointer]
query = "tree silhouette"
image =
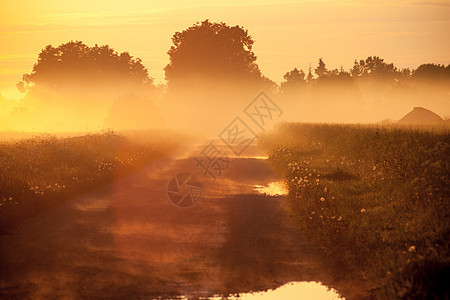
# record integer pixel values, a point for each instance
(432, 71)
(358, 68)
(321, 69)
(73, 85)
(212, 51)
(375, 67)
(293, 80)
(378, 68)
(310, 76)
(75, 64)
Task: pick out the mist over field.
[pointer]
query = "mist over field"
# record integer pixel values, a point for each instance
(213, 74)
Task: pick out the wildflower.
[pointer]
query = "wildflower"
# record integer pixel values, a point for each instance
(412, 248)
(374, 168)
(363, 210)
(322, 199)
(10, 198)
(313, 212)
(325, 190)
(340, 218)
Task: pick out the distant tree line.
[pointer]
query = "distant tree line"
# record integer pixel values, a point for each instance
(207, 57)
(206, 50)
(373, 67)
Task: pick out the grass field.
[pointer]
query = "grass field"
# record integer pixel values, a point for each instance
(39, 173)
(375, 199)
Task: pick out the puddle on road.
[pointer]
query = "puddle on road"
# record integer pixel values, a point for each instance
(263, 157)
(294, 290)
(275, 188)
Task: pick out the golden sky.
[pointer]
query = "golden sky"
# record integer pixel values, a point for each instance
(287, 34)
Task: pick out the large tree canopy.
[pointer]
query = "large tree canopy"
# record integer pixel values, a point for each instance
(213, 51)
(76, 64)
(73, 85)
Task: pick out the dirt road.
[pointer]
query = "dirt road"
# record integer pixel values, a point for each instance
(128, 241)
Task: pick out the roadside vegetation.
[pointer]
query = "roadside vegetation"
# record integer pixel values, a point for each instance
(375, 199)
(41, 172)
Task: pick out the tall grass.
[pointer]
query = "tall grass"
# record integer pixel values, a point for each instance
(38, 173)
(374, 198)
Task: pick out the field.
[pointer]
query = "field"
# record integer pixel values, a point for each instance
(40, 172)
(375, 199)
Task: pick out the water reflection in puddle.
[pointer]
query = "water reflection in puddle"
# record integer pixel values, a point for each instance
(276, 188)
(292, 290)
(295, 290)
(262, 157)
